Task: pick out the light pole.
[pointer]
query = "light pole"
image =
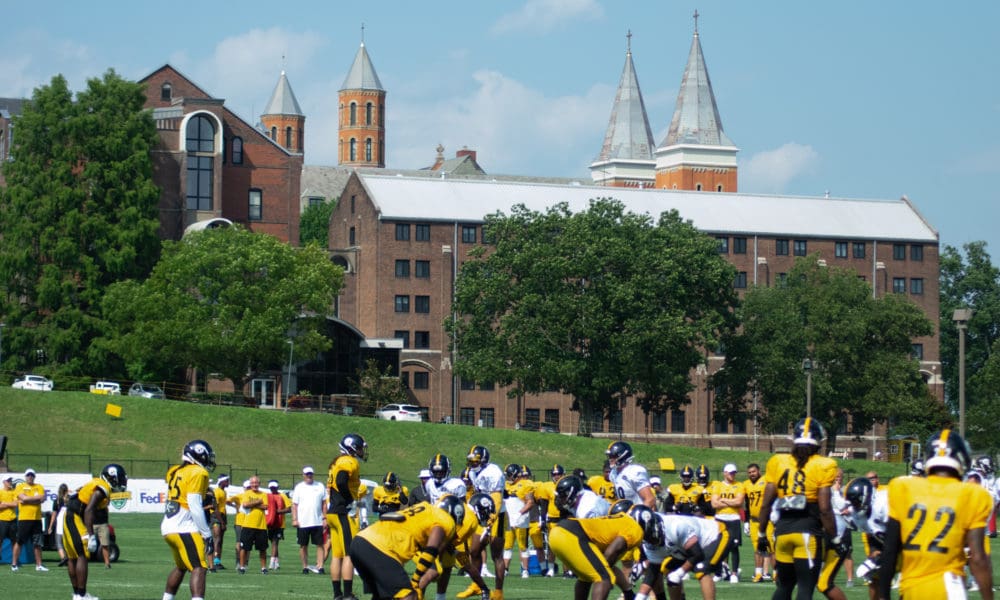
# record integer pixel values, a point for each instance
(288, 377)
(807, 366)
(961, 317)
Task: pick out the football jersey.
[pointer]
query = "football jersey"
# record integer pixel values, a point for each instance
(934, 514)
(684, 499)
(8, 497)
(798, 490)
(602, 487)
(754, 494)
(603, 530)
(517, 496)
(341, 500)
(220, 498)
(393, 498)
(678, 529)
(183, 480)
(546, 490)
(86, 492)
(628, 481)
(408, 530)
(590, 506)
(728, 491)
(453, 485)
(876, 522)
(490, 480)
(255, 517)
(29, 512)
(468, 526)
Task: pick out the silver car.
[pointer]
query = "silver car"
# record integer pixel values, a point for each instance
(33, 382)
(146, 390)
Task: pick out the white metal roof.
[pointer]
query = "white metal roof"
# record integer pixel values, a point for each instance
(406, 198)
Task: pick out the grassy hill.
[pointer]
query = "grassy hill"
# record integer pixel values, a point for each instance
(69, 431)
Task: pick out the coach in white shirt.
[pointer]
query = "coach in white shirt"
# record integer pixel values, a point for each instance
(308, 499)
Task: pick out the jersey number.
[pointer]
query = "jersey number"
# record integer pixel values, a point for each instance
(798, 483)
(919, 511)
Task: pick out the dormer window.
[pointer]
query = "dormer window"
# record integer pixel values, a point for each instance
(166, 92)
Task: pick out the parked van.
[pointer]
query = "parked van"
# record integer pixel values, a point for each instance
(111, 388)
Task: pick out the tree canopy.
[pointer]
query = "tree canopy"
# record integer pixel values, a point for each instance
(602, 304)
(314, 225)
(224, 301)
(79, 213)
(860, 348)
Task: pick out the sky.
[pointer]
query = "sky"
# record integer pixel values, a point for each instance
(867, 100)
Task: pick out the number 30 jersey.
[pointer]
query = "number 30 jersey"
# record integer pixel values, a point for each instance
(934, 514)
(798, 490)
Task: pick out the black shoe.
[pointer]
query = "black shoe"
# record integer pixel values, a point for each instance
(305, 571)
(321, 571)
(220, 566)
(63, 562)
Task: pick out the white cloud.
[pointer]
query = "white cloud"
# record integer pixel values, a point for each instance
(22, 71)
(769, 172)
(539, 16)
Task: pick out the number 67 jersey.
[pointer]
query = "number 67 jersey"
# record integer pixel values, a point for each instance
(934, 514)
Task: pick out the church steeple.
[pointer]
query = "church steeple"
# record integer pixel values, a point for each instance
(696, 154)
(361, 131)
(283, 119)
(626, 157)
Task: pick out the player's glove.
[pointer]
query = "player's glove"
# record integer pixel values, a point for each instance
(363, 524)
(637, 571)
(746, 527)
(209, 544)
(865, 569)
(92, 544)
(676, 576)
(841, 545)
(763, 544)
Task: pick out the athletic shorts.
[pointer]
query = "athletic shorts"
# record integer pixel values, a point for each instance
(30, 531)
(8, 531)
(382, 574)
(103, 533)
(342, 530)
(251, 539)
(275, 535)
(305, 535)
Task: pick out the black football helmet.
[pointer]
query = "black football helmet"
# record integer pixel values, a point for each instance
(526, 472)
(557, 470)
(440, 467)
(917, 470)
(354, 445)
(454, 506)
(478, 457)
(200, 453)
(984, 464)
(860, 493)
(619, 453)
(947, 449)
(687, 475)
(467, 477)
(974, 476)
(512, 471)
(808, 431)
(579, 472)
(652, 526)
(568, 492)
(116, 477)
(620, 506)
(483, 506)
(703, 475)
(391, 481)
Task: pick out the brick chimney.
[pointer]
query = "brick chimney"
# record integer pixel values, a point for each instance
(466, 152)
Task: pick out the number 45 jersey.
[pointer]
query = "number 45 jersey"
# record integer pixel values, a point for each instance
(934, 514)
(183, 480)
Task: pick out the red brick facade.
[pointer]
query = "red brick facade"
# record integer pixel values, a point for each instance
(707, 179)
(362, 128)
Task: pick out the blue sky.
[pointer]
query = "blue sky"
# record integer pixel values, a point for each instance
(858, 99)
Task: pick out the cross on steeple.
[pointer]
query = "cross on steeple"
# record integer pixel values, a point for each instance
(628, 36)
(696, 20)
(363, 33)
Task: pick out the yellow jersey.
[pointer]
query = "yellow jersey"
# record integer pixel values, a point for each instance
(798, 490)
(601, 531)
(727, 491)
(754, 493)
(546, 490)
(684, 500)
(8, 497)
(403, 533)
(346, 469)
(255, 517)
(934, 514)
(602, 487)
(29, 512)
(182, 480)
(392, 499)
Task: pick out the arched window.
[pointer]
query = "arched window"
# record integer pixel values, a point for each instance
(368, 150)
(381, 115)
(237, 151)
(274, 133)
(200, 146)
(354, 113)
(166, 92)
(288, 137)
(354, 150)
(368, 113)
(718, 188)
(697, 187)
(301, 145)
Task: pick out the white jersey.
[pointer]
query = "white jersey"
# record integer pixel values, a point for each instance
(308, 499)
(657, 554)
(842, 511)
(678, 529)
(452, 485)
(590, 505)
(628, 481)
(489, 480)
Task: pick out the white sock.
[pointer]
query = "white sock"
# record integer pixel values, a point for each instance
(441, 596)
(167, 596)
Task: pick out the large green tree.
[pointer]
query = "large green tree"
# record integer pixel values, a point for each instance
(314, 226)
(224, 301)
(79, 213)
(860, 348)
(602, 304)
(969, 280)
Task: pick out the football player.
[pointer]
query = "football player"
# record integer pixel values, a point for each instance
(727, 498)
(753, 491)
(441, 481)
(601, 484)
(937, 524)
(703, 477)
(683, 497)
(545, 495)
(184, 527)
(869, 514)
(519, 502)
(79, 540)
(591, 546)
(630, 480)
(488, 478)
(344, 483)
(466, 549)
(574, 499)
(391, 495)
(799, 488)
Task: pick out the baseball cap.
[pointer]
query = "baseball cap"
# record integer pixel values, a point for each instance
(8, 478)
(425, 474)
(222, 478)
(307, 470)
(655, 481)
(29, 471)
(729, 468)
(246, 483)
(273, 483)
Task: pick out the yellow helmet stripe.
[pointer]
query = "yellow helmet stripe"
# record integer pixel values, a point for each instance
(942, 446)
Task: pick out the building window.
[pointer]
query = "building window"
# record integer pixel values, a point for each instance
(858, 249)
(402, 232)
(918, 351)
(799, 247)
(781, 279)
(421, 380)
(720, 426)
(351, 237)
(200, 145)
(354, 113)
(468, 234)
(353, 202)
(781, 247)
(488, 237)
(422, 304)
(899, 252)
(486, 417)
(423, 269)
(723, 244)
(368, 149)
(840, 249)
(368, 113)
(315, 201)
(466, 416)
(288, 137)
(532, 416)
(677, 421)
(658, 421)
(740, 424)
(423, 232)
(697, 187)
(237, 151)
(741, 280)
(916, 253)
(166, 92)
(552, 417)
(274, 134)
(256, 209)
(402, 268)
(422, 339)
(405, 378)
(899, 285)
(402, 334)
(354, 149)
(739, 245)
(402, 303)
(381, 115)
(917, 286)
(615, 421)
(487, 386)
(467, 385)
(718, 188)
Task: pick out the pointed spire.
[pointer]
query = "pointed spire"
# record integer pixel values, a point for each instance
(628, 135)
(283, 100)
(362, 75)
(696, 117)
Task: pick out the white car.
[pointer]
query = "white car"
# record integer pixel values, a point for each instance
(146, 390)
(400, 412)
(33, 382)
